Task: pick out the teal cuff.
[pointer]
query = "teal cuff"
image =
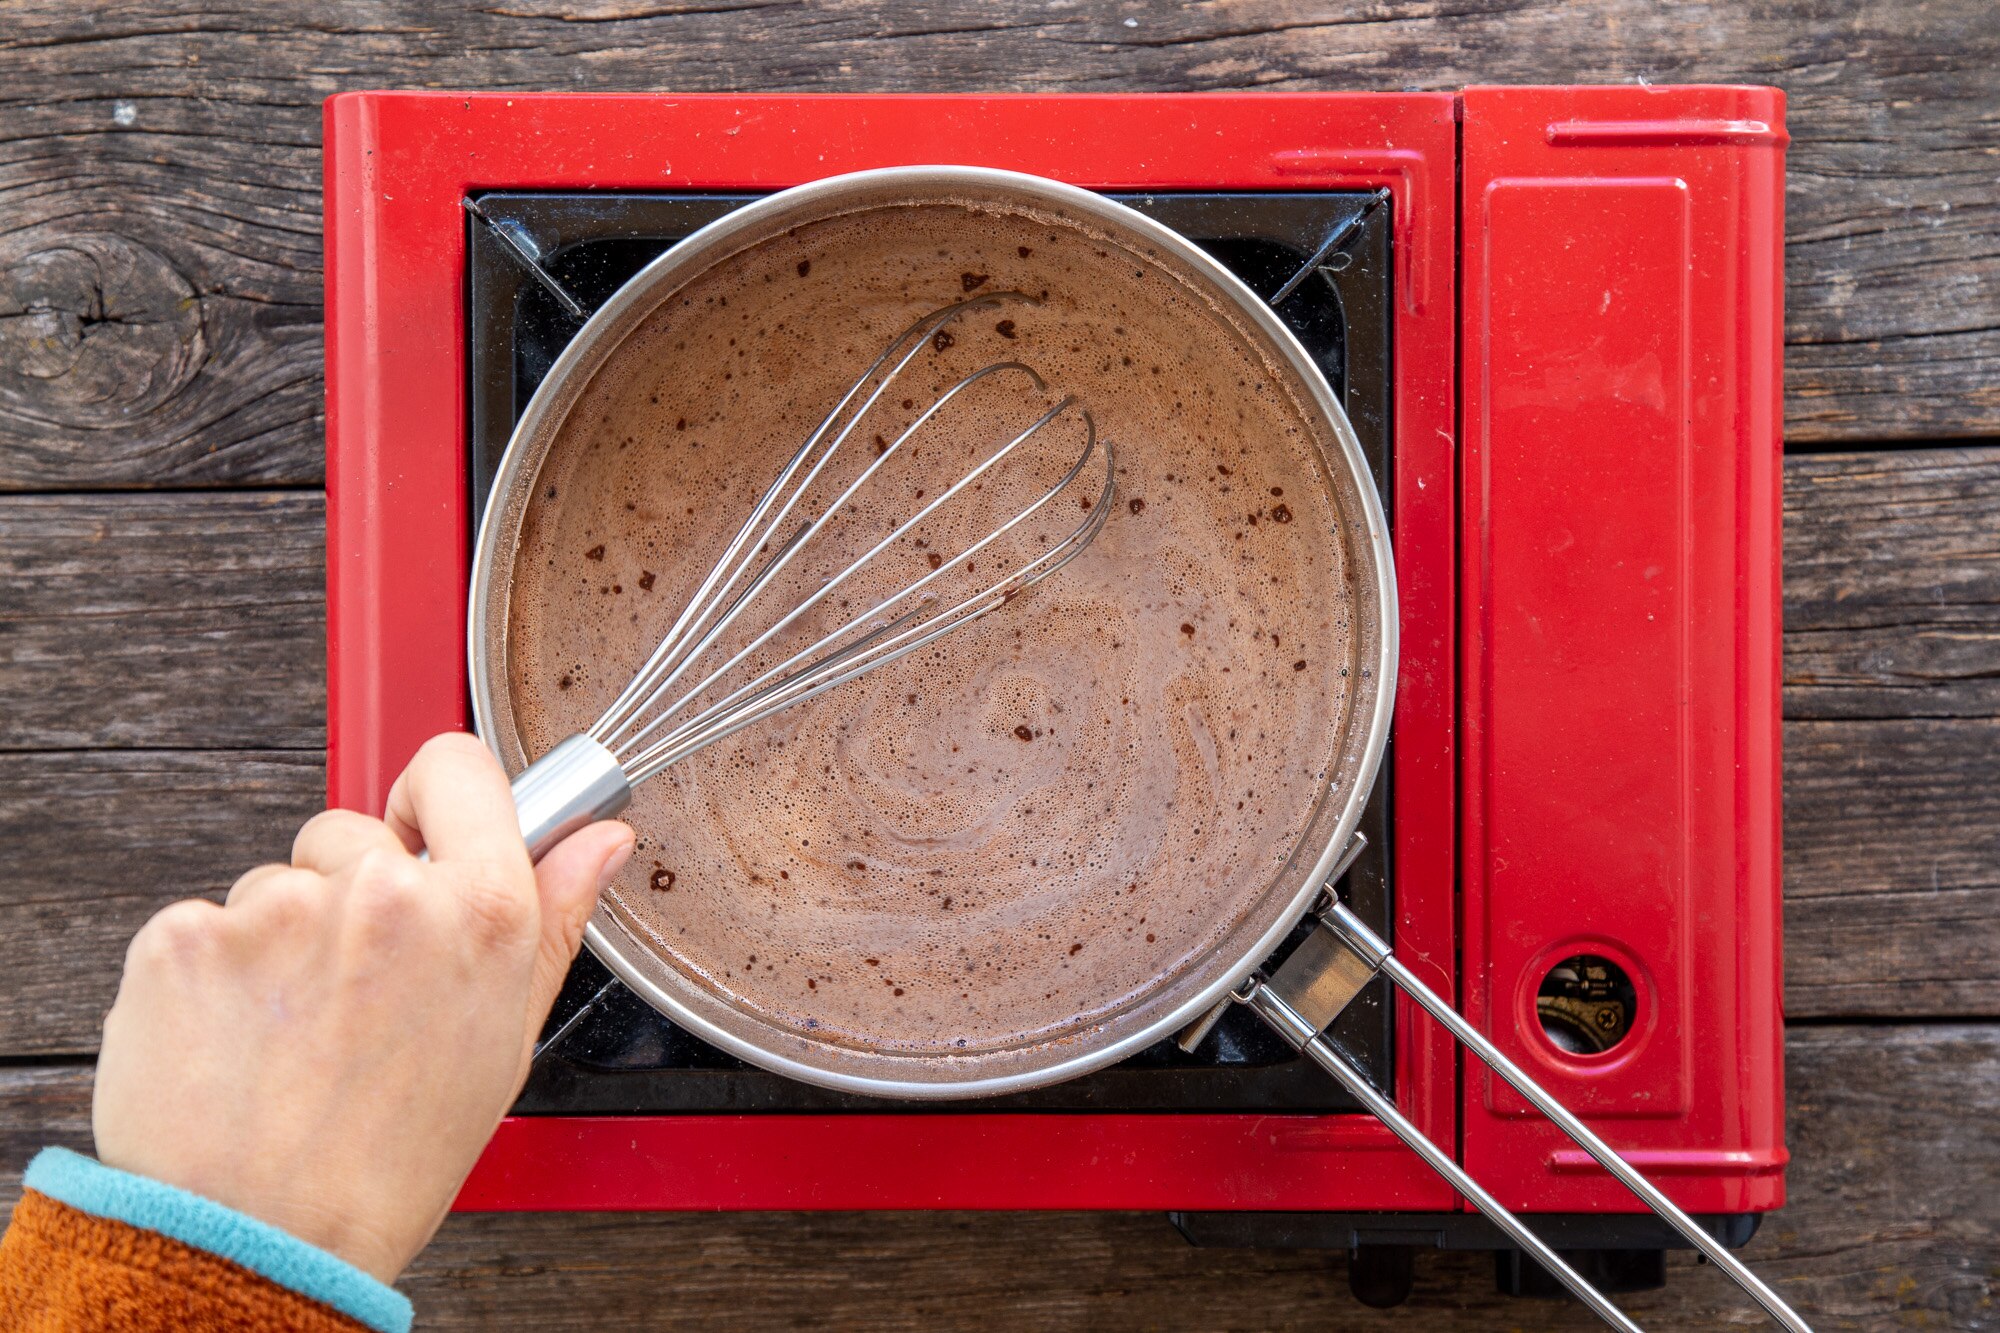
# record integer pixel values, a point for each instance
(103, 1191)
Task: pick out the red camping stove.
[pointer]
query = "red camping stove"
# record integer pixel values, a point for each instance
(1558, 338)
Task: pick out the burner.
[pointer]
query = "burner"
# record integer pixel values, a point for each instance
(540, 262)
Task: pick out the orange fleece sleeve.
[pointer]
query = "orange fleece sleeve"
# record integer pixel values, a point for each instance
(63, 1270)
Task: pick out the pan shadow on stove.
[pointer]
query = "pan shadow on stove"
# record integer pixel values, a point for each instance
(535, 259)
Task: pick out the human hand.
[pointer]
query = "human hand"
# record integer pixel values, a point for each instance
(330, 1049)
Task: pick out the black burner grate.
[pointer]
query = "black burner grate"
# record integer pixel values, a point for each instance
(625, 1058)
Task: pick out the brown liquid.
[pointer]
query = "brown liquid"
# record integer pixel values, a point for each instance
(1002, 839)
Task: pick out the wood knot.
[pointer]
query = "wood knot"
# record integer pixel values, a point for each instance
(95, 330)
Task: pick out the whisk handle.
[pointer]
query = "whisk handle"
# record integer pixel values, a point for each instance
(576, 783)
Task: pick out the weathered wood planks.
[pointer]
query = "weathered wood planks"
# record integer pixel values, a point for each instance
(1892, 688)
(1892, 585)
(1892, 869)
(163, 621)
(1888, 1226)
(1892, 897)
(95, 841)
(160, 260)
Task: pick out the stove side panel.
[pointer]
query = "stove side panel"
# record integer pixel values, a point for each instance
(397, 563)
(1620, 275)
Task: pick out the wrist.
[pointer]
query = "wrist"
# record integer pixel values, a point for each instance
(332, 1226)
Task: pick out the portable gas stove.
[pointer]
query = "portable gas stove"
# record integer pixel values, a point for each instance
(1553, 316)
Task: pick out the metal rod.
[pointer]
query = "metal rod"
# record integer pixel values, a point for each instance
(895, 641)
(524, 248)
(589, 1006)
(1322, 1052)
(1333, 242)
(1195, 1033)
(638, 758)
(1371, 947)
(777, 563)
(770, 512)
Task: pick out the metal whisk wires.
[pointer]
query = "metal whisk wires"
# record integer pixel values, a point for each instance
(664, 715)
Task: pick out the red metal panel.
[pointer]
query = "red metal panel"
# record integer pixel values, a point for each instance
(397, 165)
(1586, 589)
(946, 1160)
(1620, 277)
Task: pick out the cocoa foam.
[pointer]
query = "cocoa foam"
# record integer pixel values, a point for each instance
(1007, 837)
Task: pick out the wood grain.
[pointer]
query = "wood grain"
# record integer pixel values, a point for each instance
(1892, 868)
(160, 262)
(1892, 585)
(40, 1107)
(1892, 682)
(96, 841)
(1890, 1225)
(190, 621)
(163, 621)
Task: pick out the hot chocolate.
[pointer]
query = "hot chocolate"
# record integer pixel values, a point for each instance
(1001, 839)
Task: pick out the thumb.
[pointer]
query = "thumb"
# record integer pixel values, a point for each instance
(568, 881)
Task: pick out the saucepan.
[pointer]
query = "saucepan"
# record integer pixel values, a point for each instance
(1300, 997)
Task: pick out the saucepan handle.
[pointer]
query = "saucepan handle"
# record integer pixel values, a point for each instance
(1330, 968)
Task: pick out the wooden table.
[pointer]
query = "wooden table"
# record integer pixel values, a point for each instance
(161, 626)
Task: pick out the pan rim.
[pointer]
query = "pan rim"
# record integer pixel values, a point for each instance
(570, 374)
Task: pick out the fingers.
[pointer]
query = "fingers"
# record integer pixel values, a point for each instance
(328, 843)
(569, 879)
(176, 932)
(251, 882)
(274, 902)
(455, 800)
(333, 840)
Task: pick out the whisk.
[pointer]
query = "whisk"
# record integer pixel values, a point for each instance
(691, 691)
